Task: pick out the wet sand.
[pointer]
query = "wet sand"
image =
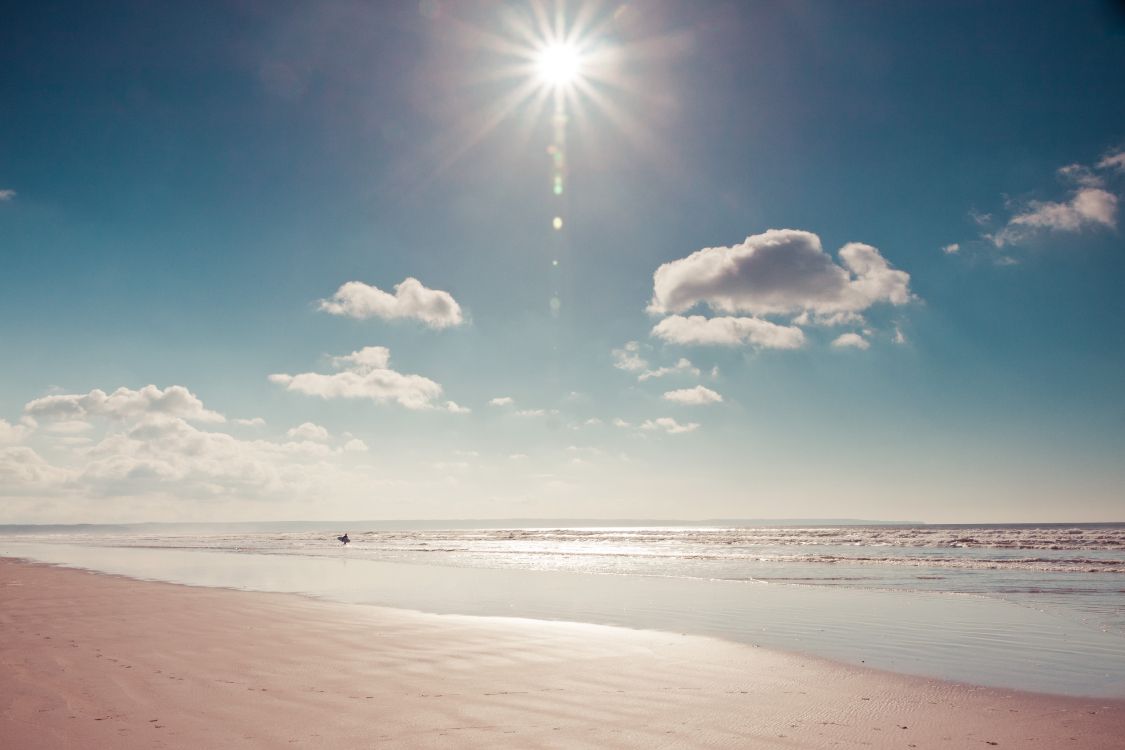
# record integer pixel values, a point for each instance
(95, 661)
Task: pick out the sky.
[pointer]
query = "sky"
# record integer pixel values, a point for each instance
(364, 260)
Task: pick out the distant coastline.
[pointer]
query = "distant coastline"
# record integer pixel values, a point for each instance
(508, 523)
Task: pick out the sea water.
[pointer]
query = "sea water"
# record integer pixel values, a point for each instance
(1038, 607)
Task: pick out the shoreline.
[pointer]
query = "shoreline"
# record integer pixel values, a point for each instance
(92, 659)
(974, 640)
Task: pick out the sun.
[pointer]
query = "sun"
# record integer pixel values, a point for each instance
(559, 64)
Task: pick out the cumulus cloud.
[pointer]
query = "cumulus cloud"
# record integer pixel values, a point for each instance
(173, 456)
(252, 422)
(124, 403)
(308, 431)
(628, 357)
(778, 271)
(668, 425)
(23, 471)
(952, 248)
(12, 433)
(1090, 205)
(148, 457)
(535, 412)
(1088, 208)
(828, 320)
(728, 331)
(697, 396)
(7, 194)
(366, 374)
(1114, 160)
(69, 426)
(1080, 174)
(851, 340)
(683, 366)
(411, 299)
(502, 401)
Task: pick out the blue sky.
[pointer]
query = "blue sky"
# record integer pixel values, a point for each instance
(185, 189)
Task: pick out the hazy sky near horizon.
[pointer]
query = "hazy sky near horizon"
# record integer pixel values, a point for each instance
(279, 260)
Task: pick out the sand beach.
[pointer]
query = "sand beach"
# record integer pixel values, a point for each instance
(89, 660)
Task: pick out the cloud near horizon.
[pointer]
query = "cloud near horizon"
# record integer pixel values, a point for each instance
(411, 299)
(124, 403)
(366, 374)
(151, 450)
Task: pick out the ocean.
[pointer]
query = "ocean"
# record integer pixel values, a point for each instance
(1031, 606)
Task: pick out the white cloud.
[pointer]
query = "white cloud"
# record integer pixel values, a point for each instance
(1081, 175)
(517, 456)
(669, 425)
(779, 271)
(455, 408)
(1113, 161)
(69, 426)
(728, 331)
(308, 431)
(697, 396)
(502, 401)
(536, 412)
(172, 456)
(12, 433)
(150, 458)
(979, 218)
(252, 422)
(628, 357)
(1089, 208)
(951, 248)
(23, 471)
(7, 194)
(367, 375)
(364, 360)
(899, 337)
(619, 422)
(682, 366)
(852, 340)
(411, 299)
(124, 403)
(828, 320)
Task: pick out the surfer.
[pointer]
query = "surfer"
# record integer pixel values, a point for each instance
(344, 538)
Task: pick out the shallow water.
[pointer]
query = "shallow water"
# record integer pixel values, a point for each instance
(1016, 639)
